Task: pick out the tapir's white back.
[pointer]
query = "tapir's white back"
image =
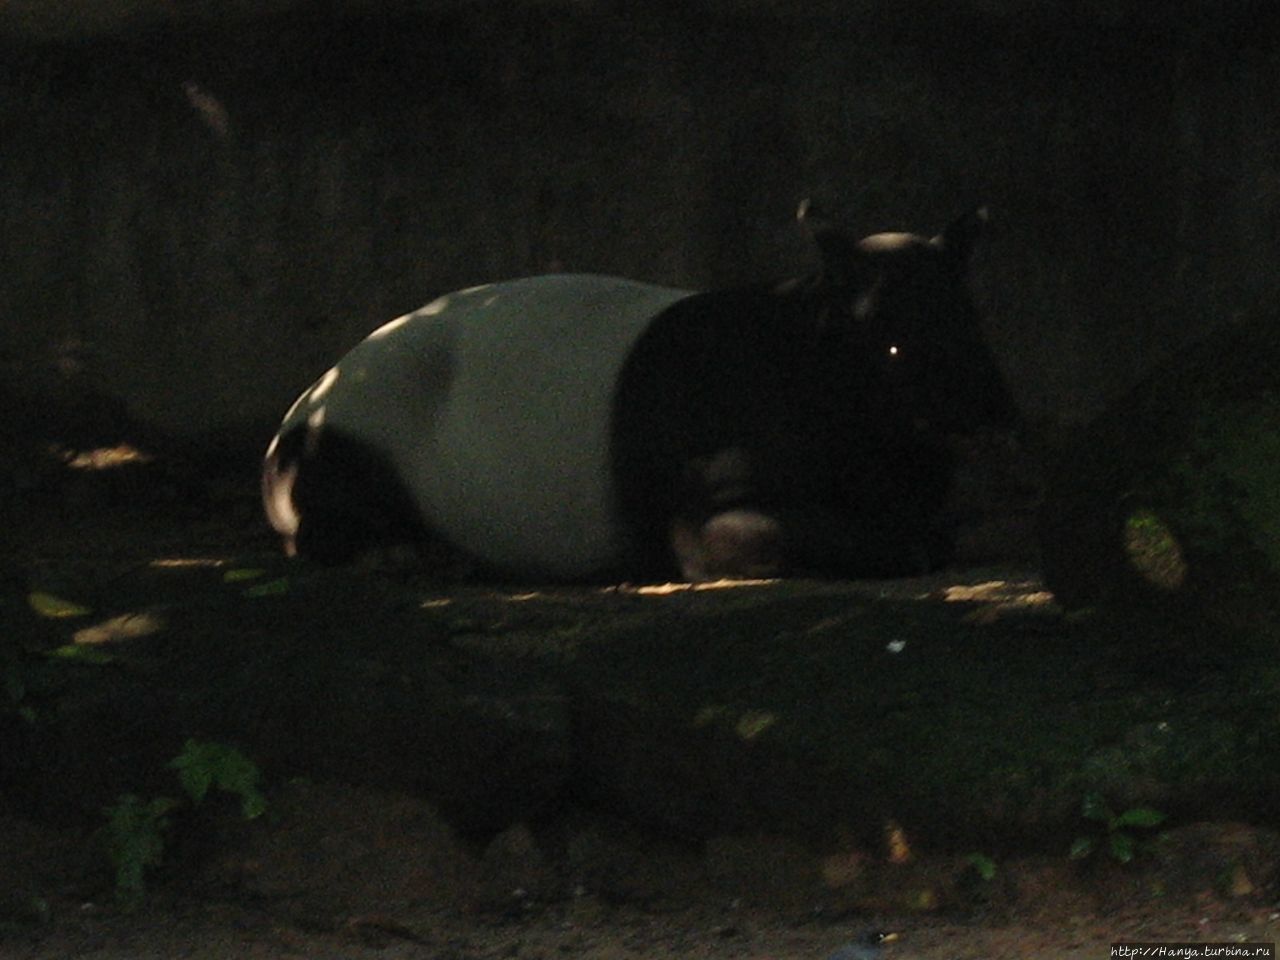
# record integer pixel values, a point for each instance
(493, 405)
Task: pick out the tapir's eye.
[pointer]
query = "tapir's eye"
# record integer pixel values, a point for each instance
(893, 350)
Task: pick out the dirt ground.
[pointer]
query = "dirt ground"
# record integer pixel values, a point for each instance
(345, 871)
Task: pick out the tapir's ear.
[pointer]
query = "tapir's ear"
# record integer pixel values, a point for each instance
(959, 239)
(841, 257)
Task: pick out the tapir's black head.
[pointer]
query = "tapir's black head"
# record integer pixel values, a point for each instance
(902, 304)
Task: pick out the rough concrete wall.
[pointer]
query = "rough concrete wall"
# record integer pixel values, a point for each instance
(198, 223)
(202, 230)
(79, 19)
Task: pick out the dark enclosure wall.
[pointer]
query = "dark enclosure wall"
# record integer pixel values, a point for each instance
(198, 217)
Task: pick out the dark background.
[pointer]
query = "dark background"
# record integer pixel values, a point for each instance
(202, 206)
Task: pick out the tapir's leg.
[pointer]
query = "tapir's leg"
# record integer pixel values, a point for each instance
(831, 543)
(721, 528)
(739, 516)
(884, 512)
(736, 544)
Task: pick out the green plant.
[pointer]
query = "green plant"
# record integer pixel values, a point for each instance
(982, 865)
(135, 834)
(1154, 552)
(1117, 830)
(136, 828)
(1223, 490)
(203, 765)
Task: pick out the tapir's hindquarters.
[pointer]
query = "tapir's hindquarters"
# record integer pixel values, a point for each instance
(331, 496)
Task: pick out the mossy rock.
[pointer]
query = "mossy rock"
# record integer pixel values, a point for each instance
(1171, 499)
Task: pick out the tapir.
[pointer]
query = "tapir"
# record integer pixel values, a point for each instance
(585, 427)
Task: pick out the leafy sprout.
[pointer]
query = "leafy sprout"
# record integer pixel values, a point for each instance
(1117, 831)
(136, 828)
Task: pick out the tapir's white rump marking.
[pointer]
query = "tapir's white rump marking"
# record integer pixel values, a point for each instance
(494, 405)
